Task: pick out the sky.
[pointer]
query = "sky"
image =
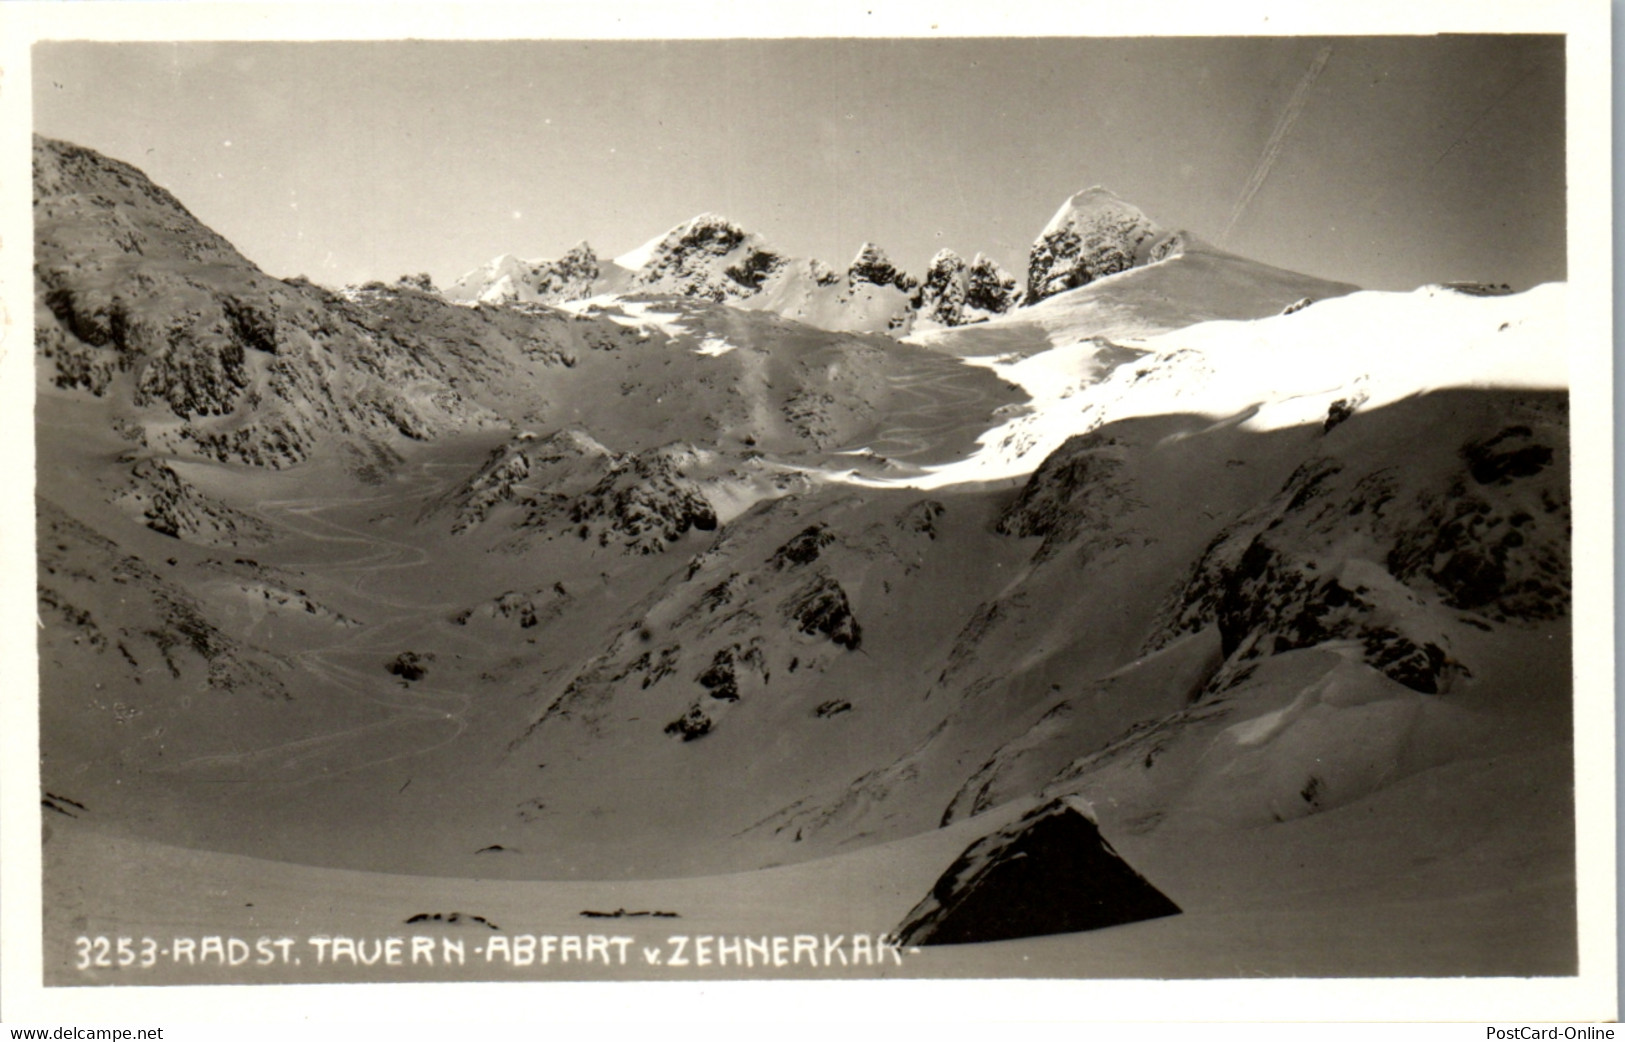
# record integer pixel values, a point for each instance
(1388, 162)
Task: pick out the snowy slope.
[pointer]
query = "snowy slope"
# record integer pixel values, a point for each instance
(1364, 349)
(1286, 597)
(1200, 284)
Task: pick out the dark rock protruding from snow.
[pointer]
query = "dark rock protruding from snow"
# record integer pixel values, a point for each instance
(942, 294)
(1092, 235)
(958, 294)
(1049, 872)
(988, 287)
(709, 257)
(873, 266)
(508, 279)
(822, 607)
(644, 502)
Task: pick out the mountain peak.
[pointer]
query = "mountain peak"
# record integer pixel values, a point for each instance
(1095, 233)
(707, 256)
(873, 266)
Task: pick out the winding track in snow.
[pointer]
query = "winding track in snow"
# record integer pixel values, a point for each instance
(373, 554)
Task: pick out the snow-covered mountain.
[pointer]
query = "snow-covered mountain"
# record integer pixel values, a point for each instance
(506, 279)
(1256, 582)
(709, 258)
(712, 258)
(1094, 234)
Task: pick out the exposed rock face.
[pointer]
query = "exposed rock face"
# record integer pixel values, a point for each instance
(803, 549)
(568, 481)
(692, 725)
(409, 665)
(527, 608)
(1074, 492)
(571, 277)
(165, 503)
(1094, 234)
(956, 294)
(138, 302)
(709, 257)
(989, 288)
(921, 517)
(509, 279)
(644, 503)
(1050, 872)
(752, 626)
(728, 669)
(532, 471)
(871, 265)
(822, 274)
(153, 630)
(821, 607)
(942, 294)
(1496, 542)
(1383, 557)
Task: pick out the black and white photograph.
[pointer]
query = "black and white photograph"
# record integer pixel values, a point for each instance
(926, 500)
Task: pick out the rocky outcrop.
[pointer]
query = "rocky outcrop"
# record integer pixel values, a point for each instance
(821, 607)
(1093, 235)
(532, 471)
(160, 499)
(921, 517)
(803, 548)
(508, 279)
(1075, 492)
(138, 302)
(728, 669)
(644, 503)
(156, 629)
(1497, 540)
(943, 291)
(956, 294)
(871, 265)
(1382, 558)
(526, 608)
(989, 289)
(709, 257)
(1049, 872)
(567, 482)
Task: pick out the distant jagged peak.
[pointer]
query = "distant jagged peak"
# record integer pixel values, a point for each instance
(1095, 233)
(871, 265)
(706, 230)
(942, 293)
(711, 232)
(1096, 199)
(710, 257)
(955, 293)
(580, 255)
(988, 287)
(508, 278)
(822, 274)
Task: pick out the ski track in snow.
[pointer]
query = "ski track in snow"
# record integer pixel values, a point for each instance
(1370, 348)
(426, 702)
